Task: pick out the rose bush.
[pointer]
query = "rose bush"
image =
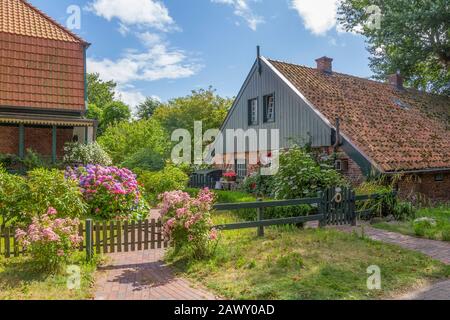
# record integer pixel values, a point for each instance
(110, 192)
(187, 221)
(51, 241)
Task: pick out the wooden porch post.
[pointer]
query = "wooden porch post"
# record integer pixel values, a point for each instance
(54, 144)
(21, 141)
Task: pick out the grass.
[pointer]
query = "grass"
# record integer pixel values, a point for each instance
(441, 231)
(289, 263)
(19, 281)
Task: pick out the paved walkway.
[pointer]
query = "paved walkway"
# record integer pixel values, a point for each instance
(439, 250)
(143, 275)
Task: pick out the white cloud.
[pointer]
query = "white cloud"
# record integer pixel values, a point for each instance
(146, 13)
(156, 63)
(319, 16)
(131, 97)
(149, 39)
(242, 9)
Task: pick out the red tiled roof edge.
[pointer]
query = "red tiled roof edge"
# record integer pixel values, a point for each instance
(51, 20)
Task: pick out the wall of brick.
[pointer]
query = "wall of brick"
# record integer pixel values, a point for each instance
(9, 139)
(424, 186)
(40, 140)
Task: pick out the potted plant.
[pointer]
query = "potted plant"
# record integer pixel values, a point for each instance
(230, 176)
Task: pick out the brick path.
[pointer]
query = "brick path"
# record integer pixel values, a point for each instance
(439, 250)
(143, 275)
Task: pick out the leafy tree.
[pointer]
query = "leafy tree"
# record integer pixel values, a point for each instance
(414, 38)
(99, 92)
(115, 112)
(124, 139)
(94, 112)
(145, 159)
(201, 105)
(146, 109)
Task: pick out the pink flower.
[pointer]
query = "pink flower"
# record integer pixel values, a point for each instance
(60, 253)
(51, 211)
(213, 234)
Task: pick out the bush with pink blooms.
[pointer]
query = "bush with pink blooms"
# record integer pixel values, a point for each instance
(51, 241)
(187, 222)
(110, 192)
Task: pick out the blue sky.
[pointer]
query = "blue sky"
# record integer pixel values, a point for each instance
(167, 48)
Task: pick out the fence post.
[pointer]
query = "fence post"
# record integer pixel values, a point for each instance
(320, 194)
(89, 244)
(353, 207)
(260, 216)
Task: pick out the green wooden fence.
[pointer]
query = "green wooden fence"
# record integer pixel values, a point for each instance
(336, 206)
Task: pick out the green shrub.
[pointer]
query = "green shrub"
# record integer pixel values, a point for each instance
(300, 176)
(258, 184)
(13, 198)
(404, 211)
(446, 234)
(33, 160)
(84, 154)
(49, 188)
(424, 227)
(171, 178)
(383, 205)
(145, 159)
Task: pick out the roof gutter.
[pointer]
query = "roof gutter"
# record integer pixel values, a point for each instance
(418, 171)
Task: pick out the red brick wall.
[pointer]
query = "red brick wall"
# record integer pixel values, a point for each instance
(40, 140)
(425, 186)
(9, 140)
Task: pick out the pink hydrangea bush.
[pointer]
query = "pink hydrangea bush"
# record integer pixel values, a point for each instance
(51, 241)
(187, 221)
(111, 192)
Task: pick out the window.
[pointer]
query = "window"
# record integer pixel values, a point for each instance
(253, 111)
(341, 165)
(269, 108)
(439, 177)
(240, 166)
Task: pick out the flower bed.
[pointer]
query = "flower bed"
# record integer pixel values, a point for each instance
(110, 192)
(187, 221)
(51, 241)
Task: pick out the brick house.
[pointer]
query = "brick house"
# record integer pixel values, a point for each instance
(42, 83)
(369, 127)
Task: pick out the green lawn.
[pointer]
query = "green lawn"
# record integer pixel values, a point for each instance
(18, 281)
(439, 232)
(289, 263)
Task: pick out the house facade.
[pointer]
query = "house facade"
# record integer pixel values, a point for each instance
(368, 127)
(42, 83)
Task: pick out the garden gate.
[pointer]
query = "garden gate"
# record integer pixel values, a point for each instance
(339, 206)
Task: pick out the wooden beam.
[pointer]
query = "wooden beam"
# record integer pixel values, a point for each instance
(21, 141)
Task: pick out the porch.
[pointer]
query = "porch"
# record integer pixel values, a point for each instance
(44, 134)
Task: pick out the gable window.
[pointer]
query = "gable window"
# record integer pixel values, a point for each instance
(269, 108)
(253, 111)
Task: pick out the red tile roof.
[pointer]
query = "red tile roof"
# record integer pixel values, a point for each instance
(41, 63)
(399, 130)
(21, 18)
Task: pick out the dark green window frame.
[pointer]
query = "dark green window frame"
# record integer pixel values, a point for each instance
(266, 108)
(249, 112)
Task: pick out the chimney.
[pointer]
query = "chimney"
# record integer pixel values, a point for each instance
(396, 80)
(325, 64)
